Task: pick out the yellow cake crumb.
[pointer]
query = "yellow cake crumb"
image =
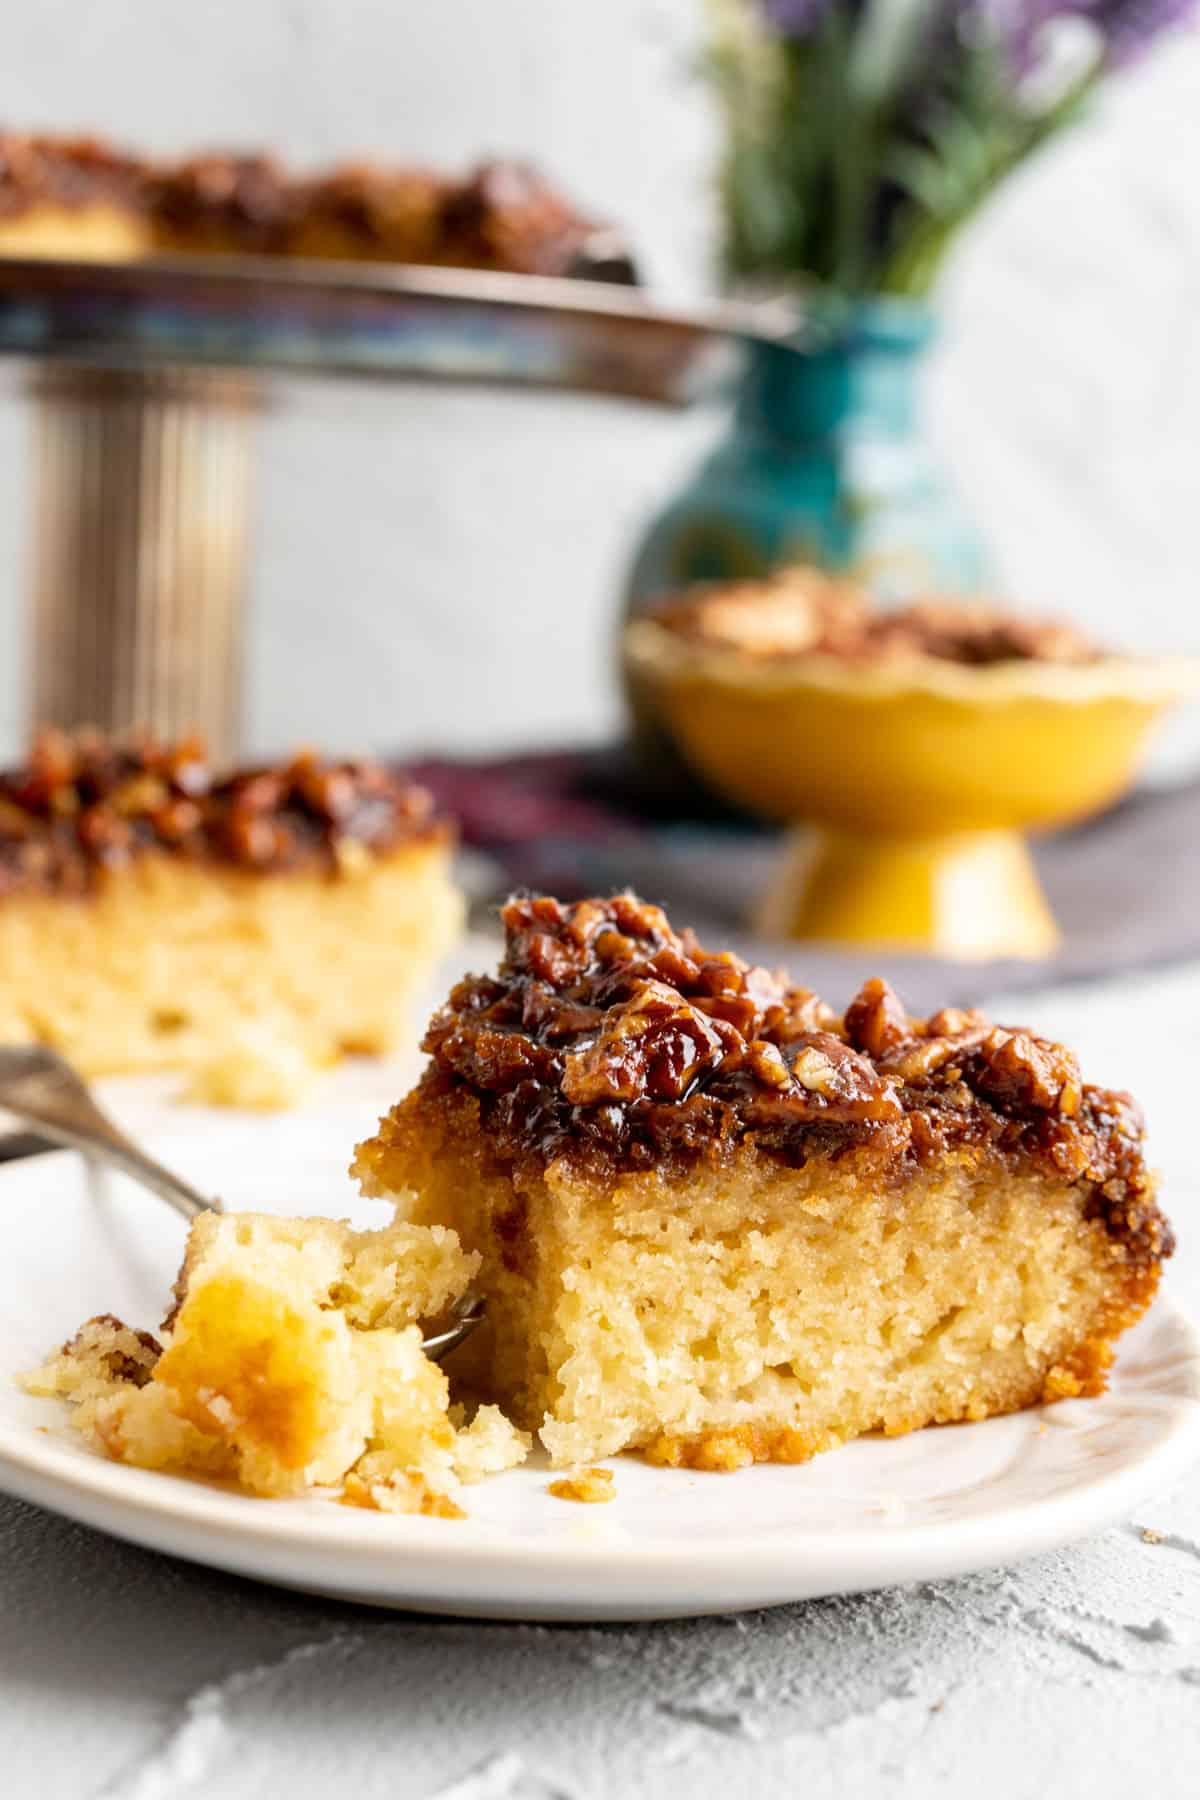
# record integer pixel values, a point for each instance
(490, 1444)
(591, 1487)
(401, 1492)
(292, 1360)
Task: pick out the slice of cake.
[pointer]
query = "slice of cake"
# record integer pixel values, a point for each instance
(719, 1223)
(246, 929)
(79, 197)
(291, 1359)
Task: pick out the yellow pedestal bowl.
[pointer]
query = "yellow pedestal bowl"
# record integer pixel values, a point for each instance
(911, 784)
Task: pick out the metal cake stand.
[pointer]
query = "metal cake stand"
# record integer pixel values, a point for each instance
(147, 379)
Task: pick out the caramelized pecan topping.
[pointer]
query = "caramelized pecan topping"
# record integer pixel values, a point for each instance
(86, 802)
(607, 1034)
(1018, 1067)
(804, 612)
(608, 1006)
(505, 215)
(876, 1021)
(250, 199)
(388, 211)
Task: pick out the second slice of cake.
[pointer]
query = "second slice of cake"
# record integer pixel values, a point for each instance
(246, 928)
(720, 1223)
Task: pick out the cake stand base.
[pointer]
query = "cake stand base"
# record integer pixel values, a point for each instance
(972, 895)
(140, 541)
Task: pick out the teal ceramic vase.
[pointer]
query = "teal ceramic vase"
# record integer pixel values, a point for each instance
(825, 461)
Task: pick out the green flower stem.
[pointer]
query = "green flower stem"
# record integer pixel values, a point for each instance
(854, 155)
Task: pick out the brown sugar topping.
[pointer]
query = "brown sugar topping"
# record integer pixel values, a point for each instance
(249, 198)
(609, 1036)
(809, 613)
(86, 802)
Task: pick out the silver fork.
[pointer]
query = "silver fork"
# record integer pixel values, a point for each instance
(42, 1090)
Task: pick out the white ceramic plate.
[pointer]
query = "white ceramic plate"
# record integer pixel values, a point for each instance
(936, 1503)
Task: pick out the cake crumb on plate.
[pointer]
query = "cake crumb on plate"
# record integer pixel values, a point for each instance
(589, 1486)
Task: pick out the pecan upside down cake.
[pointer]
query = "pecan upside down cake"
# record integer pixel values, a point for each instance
(81, 198)
(247, 929)
(718, 1223)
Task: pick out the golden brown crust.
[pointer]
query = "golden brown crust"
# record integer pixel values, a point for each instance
(86, 803)
(721, 1450)
(609, 1037)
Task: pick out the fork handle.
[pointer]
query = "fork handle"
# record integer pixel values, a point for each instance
(113, 1148)
(42, 1091)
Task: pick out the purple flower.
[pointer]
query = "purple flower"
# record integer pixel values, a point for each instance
(1124, 28)
(1129, 27)
(886, 123)
(796, 18)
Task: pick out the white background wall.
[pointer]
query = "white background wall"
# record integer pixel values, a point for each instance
(439, 568)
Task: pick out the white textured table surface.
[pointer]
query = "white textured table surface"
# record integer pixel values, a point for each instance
(137, 1678)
